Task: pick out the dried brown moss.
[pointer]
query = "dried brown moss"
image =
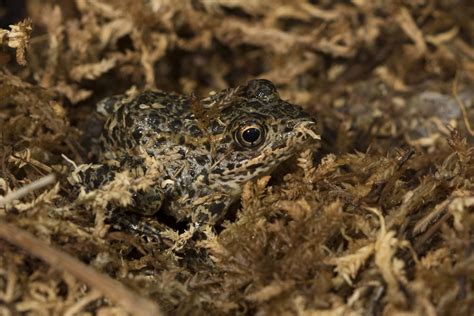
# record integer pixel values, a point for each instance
(378, 221)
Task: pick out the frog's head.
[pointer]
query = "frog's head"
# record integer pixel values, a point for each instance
(258, 131)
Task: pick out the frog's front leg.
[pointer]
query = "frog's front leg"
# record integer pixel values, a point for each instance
(209, 209)
(203, 212)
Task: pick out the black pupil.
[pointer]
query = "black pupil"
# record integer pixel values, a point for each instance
(251, 134)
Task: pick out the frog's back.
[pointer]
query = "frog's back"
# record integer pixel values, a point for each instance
(152, 119)
(162, 126)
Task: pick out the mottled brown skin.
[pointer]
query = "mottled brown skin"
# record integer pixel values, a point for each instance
(209, 148)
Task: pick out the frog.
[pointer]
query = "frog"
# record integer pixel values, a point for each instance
(209, 148)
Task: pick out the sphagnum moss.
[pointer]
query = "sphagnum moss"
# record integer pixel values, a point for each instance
(377, 221)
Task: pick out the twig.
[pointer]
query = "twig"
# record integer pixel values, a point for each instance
(108, 287)
(461, 104)
(18, 194)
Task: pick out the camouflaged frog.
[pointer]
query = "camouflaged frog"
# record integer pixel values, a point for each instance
(209, 148)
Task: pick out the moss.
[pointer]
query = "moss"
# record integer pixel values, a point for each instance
(379, 220)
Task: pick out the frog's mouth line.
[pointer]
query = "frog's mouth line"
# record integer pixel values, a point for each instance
(303, 134)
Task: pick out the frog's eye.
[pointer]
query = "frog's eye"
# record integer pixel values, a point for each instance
(262, 89)
(251, 135)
